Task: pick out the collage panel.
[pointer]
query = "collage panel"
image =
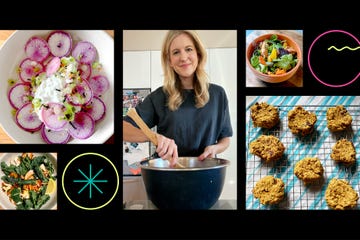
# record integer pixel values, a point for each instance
(274, 58)
(162, 63)
(90, 181)
(28, 181)
(302, 152)
(58, 86)
(332, 58)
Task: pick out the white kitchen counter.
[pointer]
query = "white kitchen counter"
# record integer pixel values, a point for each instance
(221, 204)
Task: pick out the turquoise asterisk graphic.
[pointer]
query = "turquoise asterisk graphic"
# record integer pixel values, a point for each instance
(90, 181)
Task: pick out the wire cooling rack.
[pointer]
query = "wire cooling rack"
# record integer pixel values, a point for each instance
(318, 144)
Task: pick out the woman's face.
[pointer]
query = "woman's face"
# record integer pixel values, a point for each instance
(183, 56)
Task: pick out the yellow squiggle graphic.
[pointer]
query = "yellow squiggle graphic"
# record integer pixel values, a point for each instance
(352, 49)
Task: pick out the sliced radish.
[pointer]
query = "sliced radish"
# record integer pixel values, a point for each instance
(55, 137)
(85, 71)
(19, 94)
(99, 84)
(84, 52)
(53, 66)
(52, 115)
(81, 94)
(96, 108)
(82, 103)
(82, 127)
(60, 43)
(37, 49)
(29, 68)
(27, 119)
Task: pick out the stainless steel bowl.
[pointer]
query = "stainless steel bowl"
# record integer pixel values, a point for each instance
(190, 163)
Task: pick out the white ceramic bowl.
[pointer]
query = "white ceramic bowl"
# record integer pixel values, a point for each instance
(4, 199)
(12, 52)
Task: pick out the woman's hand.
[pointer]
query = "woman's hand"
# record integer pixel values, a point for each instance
(167, 149)
(212, 150)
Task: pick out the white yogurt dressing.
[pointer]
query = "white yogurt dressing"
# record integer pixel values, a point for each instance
(50, 90)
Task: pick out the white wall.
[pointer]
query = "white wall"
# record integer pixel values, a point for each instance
(150, 40)
(136, 69)
(222, 69)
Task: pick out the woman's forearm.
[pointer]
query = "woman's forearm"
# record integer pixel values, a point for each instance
(213, 150)
(222, 145)
(133, 134)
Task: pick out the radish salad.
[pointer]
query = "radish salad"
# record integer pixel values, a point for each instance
(60, 88)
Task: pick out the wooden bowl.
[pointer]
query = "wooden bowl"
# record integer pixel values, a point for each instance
(273, 78)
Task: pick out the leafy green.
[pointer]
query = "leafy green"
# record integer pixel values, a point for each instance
(15, 195)
(17, 181)
(41, 200)
(7, 169)
(283, 59)
(286, 62)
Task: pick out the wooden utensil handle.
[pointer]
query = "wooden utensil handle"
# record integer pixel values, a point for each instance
(142, 125)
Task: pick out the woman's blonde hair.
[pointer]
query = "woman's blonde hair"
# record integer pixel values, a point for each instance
(172, 84)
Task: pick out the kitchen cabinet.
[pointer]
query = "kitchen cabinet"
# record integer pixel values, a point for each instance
(156, 73)
(136, 70)
(133, 188)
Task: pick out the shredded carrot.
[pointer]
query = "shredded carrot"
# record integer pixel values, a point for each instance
(279, 71)
(262, 60)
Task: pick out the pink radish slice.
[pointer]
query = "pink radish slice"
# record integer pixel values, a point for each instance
(19, 95)
(27, 119)
(52, 115)
(55, 137)
(99, 84)
(52, 66)
(85, 71)
(29, 69)
(82, 127)
(96, 108)
(84, 52)
(60, 43)
(81, 94)
(37, 49)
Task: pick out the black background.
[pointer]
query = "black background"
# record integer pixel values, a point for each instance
(112, 222)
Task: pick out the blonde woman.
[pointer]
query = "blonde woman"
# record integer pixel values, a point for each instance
(191, 114)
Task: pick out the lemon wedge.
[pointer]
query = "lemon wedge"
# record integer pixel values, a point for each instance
(51, 186)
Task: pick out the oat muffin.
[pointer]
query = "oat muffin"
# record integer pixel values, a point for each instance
(309, 170)
(269, 190)
(344, 152)
(340, 195)
(301, 121)
(268, 147)
(338, 118)
(264, 115)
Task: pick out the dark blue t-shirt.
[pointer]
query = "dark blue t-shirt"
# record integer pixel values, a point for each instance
(192, 128)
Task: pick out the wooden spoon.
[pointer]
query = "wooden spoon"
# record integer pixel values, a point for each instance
(146, 130)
